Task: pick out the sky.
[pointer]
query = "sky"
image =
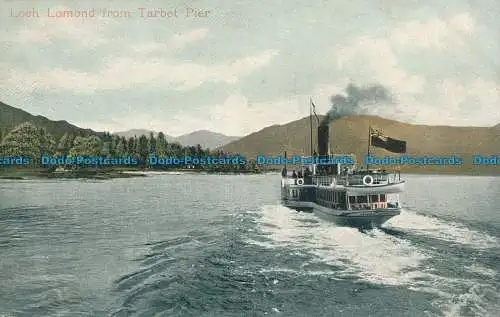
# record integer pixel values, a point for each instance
(246, 65)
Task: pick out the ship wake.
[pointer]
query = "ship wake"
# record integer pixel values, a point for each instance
(389, 256)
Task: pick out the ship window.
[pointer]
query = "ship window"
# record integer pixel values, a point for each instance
(352, 199)
(342, 198)
(382, 198)
(362, 199)
(374, 198)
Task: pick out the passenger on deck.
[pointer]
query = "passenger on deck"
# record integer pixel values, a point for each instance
(283, 172)
(307, 176)
(299, 174)
(294, 175)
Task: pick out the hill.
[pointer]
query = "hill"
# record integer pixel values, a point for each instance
(10, 117)
(350, 135)
(138, 132)
(207, 139)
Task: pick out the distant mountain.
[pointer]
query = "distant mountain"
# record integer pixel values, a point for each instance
(10, 117)
(135, 132)
(138, 132)
(205, 138)
(350, 135)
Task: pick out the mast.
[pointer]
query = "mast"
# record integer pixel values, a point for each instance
(311, 125)
(369, 144)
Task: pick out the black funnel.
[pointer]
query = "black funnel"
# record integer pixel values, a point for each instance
(323, 136)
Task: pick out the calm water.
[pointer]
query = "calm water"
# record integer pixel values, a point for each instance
(205, 245)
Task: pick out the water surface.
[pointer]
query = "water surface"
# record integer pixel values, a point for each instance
(212, 245)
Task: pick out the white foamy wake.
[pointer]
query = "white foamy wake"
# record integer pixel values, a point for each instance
(375, 257)
(447, 231)
(378, 257)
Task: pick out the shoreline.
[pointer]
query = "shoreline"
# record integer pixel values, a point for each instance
(44, 173)
(24, 173)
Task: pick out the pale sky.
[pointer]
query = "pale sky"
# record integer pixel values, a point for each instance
(249, 64)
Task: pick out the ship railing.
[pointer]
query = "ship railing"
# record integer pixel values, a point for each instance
(322, 180)
(378, 179)
(289, 181)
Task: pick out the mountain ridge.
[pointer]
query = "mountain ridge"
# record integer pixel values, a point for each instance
(206, 138)
(11, 116)
(349, 135)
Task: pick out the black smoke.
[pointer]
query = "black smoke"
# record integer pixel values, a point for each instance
(354, 100)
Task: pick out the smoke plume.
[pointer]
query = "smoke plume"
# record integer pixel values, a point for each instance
(354, 100)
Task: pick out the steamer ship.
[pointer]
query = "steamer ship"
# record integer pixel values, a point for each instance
(345, 194)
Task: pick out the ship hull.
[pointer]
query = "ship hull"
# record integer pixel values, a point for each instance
(305, 206)
(364, 219)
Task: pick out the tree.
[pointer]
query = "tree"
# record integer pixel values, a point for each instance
(113, 144)
(161, 145)
(106, 148)
(64, 144)
(106, 137)
(142, 148)
(175, 149)
(131, 146)
(121, 147)
(28, 140)
(152, 143)
(89, 146)
(190, 150)
(199, 150)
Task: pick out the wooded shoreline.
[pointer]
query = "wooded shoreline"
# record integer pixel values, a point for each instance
(21, 173)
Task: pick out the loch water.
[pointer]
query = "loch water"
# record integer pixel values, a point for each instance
(220, 245)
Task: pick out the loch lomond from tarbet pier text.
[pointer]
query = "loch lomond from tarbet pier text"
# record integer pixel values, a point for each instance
(187, 12)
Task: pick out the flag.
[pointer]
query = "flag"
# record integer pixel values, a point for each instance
(314, 110)
(378, 139)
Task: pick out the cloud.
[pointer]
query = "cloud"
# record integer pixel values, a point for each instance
(123, 123)
(425, 100)
(126, 72)
(323, 92)
(179, 41)
(122, 72)
(374, 58)
(481, 97)
(236, 116)
(473, 103)
(435, 33)
(175, 44)
(239, 116)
